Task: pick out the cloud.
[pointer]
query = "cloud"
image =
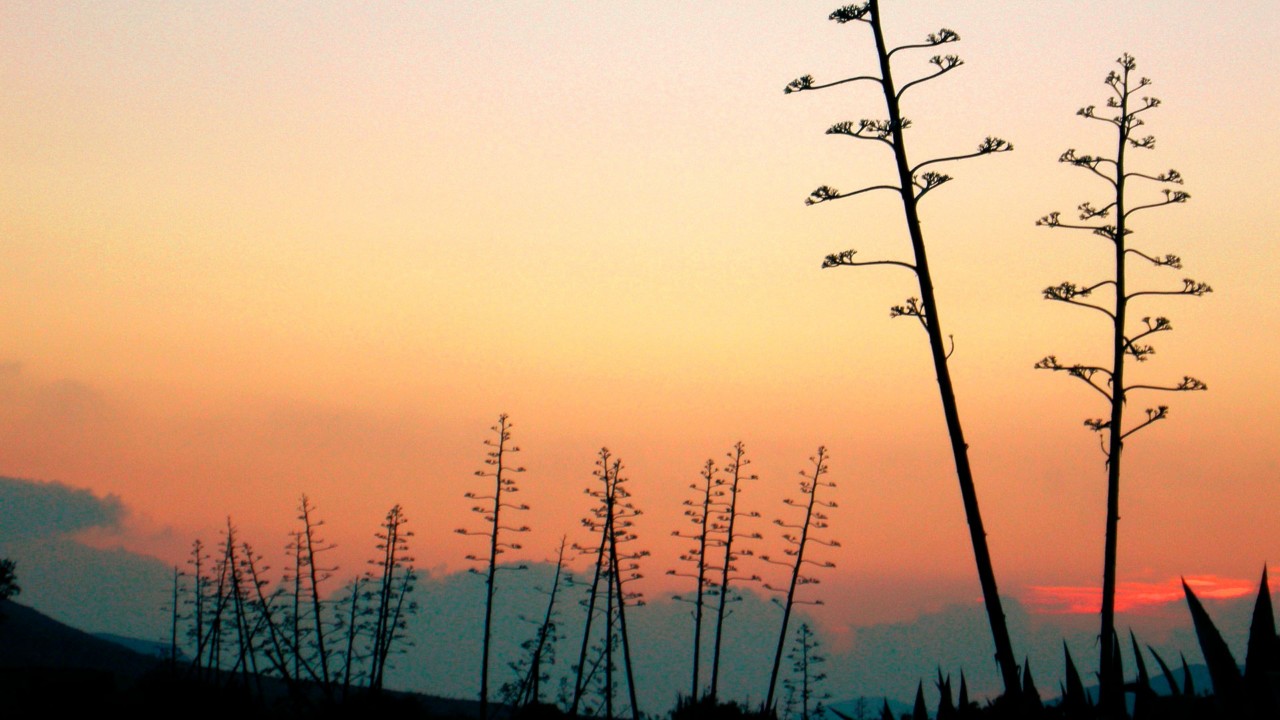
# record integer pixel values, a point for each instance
(50, 509)
(1133, 596)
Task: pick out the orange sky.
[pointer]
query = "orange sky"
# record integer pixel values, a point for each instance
(252, 251)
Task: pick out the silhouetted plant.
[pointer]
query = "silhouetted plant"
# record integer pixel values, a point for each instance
(500, 472)
(1262, 656)
(1111, 220)
(309, 574)
(1075, 701)
(246, 626)
(393, 580)
(805, 686)
(912, 183)
(699, 511)
(531, 670)
(199, 596)
(1256, 692)
(276, 646)
(919, 711)
(814, 520)
(220, 597)
(612, 518)
(175, 608)
(9, 587)
(355, 628)
(592, 522)
(946, 706)
(726, 522)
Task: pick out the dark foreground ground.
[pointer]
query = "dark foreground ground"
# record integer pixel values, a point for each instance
(52, 670)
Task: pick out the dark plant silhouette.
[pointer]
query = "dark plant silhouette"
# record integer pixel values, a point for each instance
(267, 618)
(805, 685)
(531, 670)
(175, 608)
(9, 587)
(355, 628)
(612, 519)
(500, 473)
(798, 536)
(912, 183)
(700, 513)
(393, 580)
(308, 547)
(726, 522)
(1256, 692)
(1125, 108)
(199, 597)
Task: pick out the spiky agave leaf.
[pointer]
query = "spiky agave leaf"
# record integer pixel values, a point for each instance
(1030, 695)
(946, 710)
(1074, 700)
(1164, 669)
(920, 712)
(1262, 660)
(1144, 680)
(1223, 670)
(1143, 694)
(1188, 684)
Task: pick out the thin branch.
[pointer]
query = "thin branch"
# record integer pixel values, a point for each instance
(1082, 372)
(1173, 176)
(1069, 292)
(986, 147)
(1189, 287)
(943, 36)
(1088, 162)
(867, 129)
(1171, 197)
(1054, 220)
(912, 308)
(1159, 324)
(945, 65)
(1188, 384)
(845, 257)
(1088, 211)
(1172, 261)
(826, 193)
(928, 181)
(805, 82)
(1153, 415)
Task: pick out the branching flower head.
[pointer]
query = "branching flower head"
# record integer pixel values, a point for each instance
(804, 82)
(850, 13)
(844, 257)
(822, 194)
(994, 145)
(945, 35)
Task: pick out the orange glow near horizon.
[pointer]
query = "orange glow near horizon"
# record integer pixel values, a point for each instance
(251, 252)
(1135, 596)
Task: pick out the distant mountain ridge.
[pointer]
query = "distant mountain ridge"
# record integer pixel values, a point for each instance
(29, 639)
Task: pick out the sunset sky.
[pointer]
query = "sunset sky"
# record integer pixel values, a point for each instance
(251, 250)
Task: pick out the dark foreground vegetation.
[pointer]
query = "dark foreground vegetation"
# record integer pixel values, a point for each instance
(47, 665)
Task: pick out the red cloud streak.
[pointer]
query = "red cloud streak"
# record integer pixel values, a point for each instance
(1131, 596)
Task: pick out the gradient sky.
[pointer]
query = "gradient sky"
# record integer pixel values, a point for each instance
(253, 250)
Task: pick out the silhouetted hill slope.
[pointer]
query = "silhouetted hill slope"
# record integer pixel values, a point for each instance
(30, 639)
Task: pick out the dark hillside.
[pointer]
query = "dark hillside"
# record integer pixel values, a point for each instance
(31, 640)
